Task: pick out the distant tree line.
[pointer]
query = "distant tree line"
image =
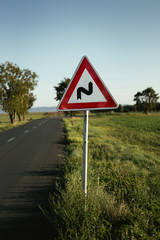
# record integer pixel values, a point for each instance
(146, 101)
(16, 90)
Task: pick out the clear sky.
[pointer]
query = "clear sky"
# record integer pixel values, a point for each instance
(120, 37)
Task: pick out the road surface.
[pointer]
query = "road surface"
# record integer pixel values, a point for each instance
(30, 156)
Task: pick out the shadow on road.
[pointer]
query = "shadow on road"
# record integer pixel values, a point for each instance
(20, 216)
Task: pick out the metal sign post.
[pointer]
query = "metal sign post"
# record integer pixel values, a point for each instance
(85, 152)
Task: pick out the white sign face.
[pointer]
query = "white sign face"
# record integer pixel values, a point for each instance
(87, 89)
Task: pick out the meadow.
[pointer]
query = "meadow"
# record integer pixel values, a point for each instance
(123, 199)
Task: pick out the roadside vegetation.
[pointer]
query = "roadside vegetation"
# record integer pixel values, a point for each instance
(16, 90)
(5, 123)
(123, 180)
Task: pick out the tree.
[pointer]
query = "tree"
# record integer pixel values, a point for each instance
(138, 99)
(146, 100)
(16, 88)
(60, 89)
(158, 107)
(150, 99)
(25, 103)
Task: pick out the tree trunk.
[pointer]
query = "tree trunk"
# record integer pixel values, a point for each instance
(14, 116)
(11, 118)
(19, 116)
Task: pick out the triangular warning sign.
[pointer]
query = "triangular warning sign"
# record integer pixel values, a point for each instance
(86, 91)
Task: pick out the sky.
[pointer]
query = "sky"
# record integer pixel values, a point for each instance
(121, 38)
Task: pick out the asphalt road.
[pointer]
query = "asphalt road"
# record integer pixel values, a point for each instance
(30, 156)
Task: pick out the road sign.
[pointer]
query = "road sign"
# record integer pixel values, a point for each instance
(86, 91)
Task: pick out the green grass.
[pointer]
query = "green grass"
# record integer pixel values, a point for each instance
(5, 121)
(123, 180)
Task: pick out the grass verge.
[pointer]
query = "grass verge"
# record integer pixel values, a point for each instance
(5, 121)
(123, 180)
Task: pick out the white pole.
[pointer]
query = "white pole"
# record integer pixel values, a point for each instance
(85, 152)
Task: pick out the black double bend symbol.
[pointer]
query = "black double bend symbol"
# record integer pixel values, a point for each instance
(88, 91)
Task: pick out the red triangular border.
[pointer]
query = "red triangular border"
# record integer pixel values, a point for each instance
(65, 106)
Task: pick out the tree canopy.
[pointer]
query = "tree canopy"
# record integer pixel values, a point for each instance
(16, 86)
(60, 89)
(146, 100)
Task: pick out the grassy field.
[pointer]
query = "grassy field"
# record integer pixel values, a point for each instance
(123, 200)
(5, 121)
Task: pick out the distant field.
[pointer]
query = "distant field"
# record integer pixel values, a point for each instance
(123, 179)
(5, 121)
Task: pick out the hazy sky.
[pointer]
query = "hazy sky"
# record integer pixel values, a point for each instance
(120, 37)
